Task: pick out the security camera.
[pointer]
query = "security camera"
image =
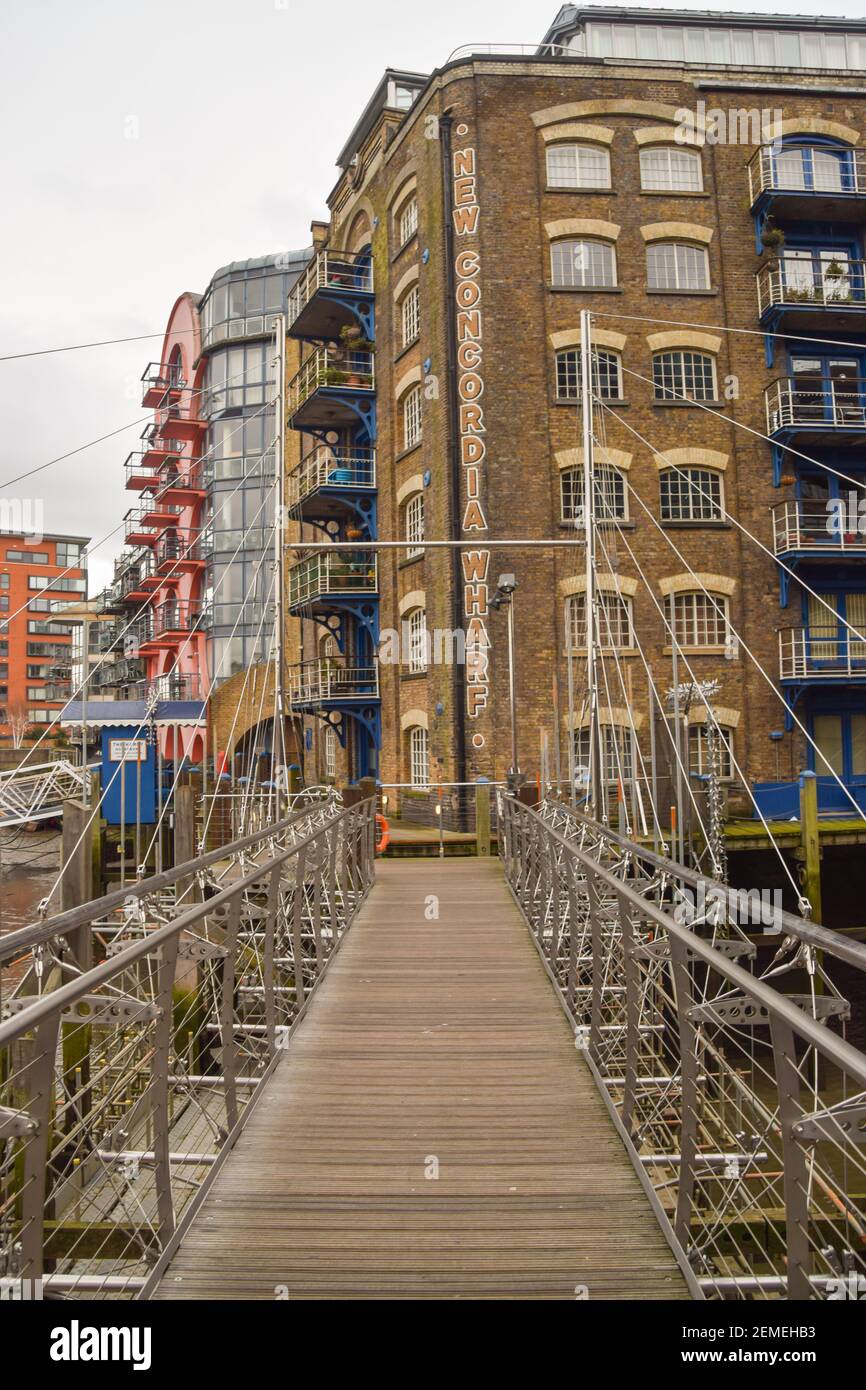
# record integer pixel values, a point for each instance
(506, 583)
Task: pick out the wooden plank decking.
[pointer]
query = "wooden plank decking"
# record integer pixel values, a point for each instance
(431, 1045)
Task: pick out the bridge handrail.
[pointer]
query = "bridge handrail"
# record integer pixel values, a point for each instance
(86, 1142)
(743, 1129)
(59, 923)
(822, 938)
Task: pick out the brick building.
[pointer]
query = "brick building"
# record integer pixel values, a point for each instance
(36, 576)
(632, 165)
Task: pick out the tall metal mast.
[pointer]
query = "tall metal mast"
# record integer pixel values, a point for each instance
(589, 530)
(279, 733)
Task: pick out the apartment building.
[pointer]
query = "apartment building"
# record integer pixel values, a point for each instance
(192, 599)
(36, 576)
(697, 182)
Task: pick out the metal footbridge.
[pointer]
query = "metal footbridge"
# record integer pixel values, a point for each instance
(37, 791)
(284, 1070)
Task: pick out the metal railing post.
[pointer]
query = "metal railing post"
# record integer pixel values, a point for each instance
(273, 906)
(631, 974)
(297, 922)
(228, 1046)
(598, 969)
(39, 1107)
(682, 986)
(161, 1118)
(795, 1162)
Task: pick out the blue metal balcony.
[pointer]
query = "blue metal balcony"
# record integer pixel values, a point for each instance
(333, 389)
(817, 291)
(331, 683)
(829, 655)
(335, 291)
(333, 484)
(807, 182)
(834, 411)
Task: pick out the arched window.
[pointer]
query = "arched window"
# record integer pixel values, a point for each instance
(415, 525)
(677, 265)
(410, 315)
(671, 169)
(615, 625)
(576, 263)
(698, 619)
(609, 501)
(416, 621)
(684, 375)
(699, 759)
(690, 494)
(412, 417)
(419, 758)
(578, 166)
(607, 374)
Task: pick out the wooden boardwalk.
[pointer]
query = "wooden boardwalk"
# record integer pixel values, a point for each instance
(432, 1131)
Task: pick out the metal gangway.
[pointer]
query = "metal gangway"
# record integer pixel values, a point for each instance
(582, 1065)
(37, 791)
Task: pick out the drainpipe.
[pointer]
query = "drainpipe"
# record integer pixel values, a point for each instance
(459, 683)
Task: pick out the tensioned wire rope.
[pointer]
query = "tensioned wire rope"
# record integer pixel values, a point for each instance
(777, 444)
(684, 771)
(241, 481)
(680, 760)
(788, 709)
(145, 720)
(724, 615)
(728, 516)
(238, 705)
(707, 704)
(147, 419)
(58, 615)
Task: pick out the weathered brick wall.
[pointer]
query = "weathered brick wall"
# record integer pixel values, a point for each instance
(526, 427)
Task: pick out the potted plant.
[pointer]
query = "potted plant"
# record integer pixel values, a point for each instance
(772, 238)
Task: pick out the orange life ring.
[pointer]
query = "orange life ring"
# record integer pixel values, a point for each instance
(383, 827)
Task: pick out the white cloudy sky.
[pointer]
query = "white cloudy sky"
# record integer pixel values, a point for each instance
(239, 108)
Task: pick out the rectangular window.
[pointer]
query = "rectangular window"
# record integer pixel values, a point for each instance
(699, 757)
(578, 166)
(411, 316)
(617, 752)
(677, 266)
(330, 752)
(419, 768)
(607, 376)
(66, 584)
(412, 418)
(583, 264)
(671, 170)
(698, 619)
(689, 376)
(609, 500)
(68, 553)
(693, 494)
(614, 631)
(29, 557)
(408, 224)
(417, 641)
(415, 525)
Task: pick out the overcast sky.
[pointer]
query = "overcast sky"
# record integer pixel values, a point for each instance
(145, 145)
